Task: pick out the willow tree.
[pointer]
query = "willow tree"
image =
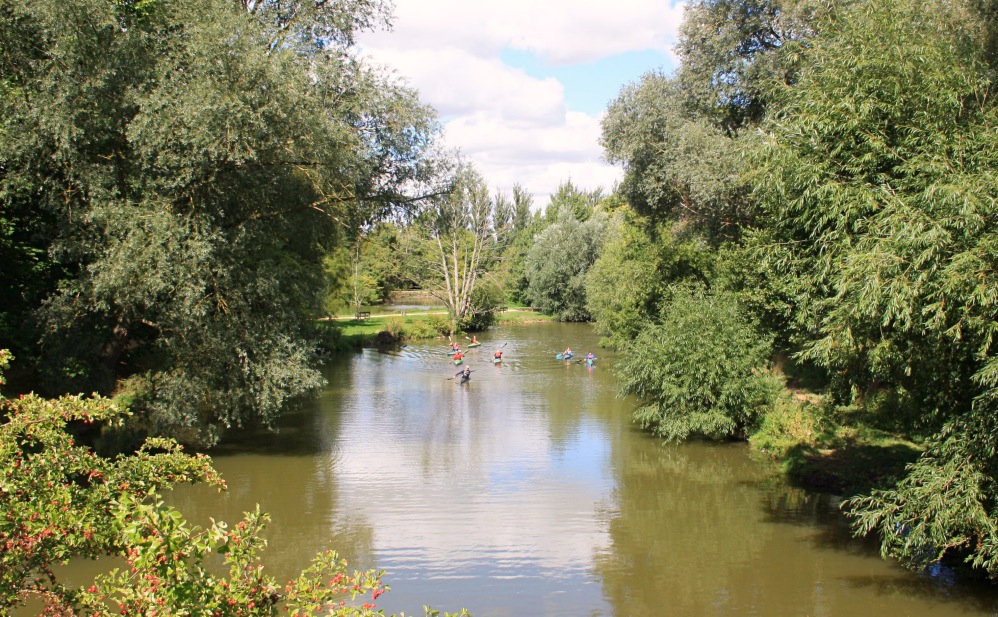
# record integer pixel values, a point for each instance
(197, 160)
(467, 227)
(880, 179)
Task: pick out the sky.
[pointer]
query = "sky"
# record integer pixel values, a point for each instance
(521, 85)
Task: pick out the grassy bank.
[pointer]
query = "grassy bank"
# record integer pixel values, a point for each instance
(830, 448)
(346, 332)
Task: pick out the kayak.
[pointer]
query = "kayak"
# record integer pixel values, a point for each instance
(473, 344)
(590, 362)
(564, 356)
(451, 352)
(496, 360)
(458, 361)
(465, 379)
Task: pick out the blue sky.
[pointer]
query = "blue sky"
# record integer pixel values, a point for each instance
(521, 85)
(591, 86)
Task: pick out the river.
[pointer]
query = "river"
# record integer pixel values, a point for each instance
(528, 492)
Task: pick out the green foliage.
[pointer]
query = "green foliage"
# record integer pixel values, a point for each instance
(60, 499)
(622, 287)
(677, 166)
(942, 510)
(884, 163)
(627, 285)
(879, 181)
(63, 502)
(189, 162)
(557, 264)
(580, 202)
(736, 52)
(468, 230)
(486, 298)
(792, 423)
(337, 270)
(701, 371)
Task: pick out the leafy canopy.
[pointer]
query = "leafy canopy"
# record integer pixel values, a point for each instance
(191, 163)
(701, 371)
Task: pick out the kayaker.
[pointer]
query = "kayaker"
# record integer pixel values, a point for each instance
(454, 346)
(458, 355)
(498, 354)
(465, 375)
(474, 339)
(567, 353)
(590, 357)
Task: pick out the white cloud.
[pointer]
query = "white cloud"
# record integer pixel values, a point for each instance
(456, 83)
(517, 128)
(539, 157)
(561, 31)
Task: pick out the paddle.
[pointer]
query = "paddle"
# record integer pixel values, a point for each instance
(450, 378)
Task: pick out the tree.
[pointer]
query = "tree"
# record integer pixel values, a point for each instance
(701, 371)
(580, 202)
(627, 286)
(526, 225)
(199, 160)
(61, 501)
(558, 261)
(736, 54)
(879, 179)
(678, 167)
(466, 227)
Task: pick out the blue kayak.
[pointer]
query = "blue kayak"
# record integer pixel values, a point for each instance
(564, 356)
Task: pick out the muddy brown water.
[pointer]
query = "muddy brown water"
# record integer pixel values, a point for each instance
(528, 492)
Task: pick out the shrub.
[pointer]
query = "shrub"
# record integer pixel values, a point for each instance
(439, 323)
(702, 370)
(790, 423)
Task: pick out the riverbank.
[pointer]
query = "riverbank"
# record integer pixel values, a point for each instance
(347, 332)
(832, 449)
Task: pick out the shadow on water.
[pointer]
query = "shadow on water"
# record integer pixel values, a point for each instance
(294, 437)
(830, 530)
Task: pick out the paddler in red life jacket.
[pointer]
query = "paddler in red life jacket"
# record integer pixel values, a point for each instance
(498, 354)
(458, 355)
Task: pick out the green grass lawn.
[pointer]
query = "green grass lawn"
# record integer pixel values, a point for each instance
(417, 323)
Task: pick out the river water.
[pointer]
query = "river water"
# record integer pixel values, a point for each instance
(528, 492)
